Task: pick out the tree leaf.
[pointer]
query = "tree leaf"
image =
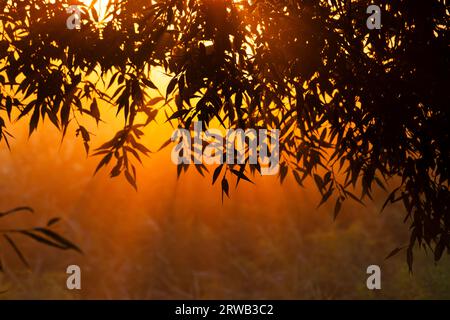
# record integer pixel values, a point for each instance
(394, 252)
(15, 210)
(16, 250)
(217, 173)
(58, 239)
(337, 208)
(225, 188)
(53, 221)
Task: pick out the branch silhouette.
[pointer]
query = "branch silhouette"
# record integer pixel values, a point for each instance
(43, 235)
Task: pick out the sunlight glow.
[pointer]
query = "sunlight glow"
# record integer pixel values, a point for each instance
(100, 6)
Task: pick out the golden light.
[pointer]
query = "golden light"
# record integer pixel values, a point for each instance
(100, 6)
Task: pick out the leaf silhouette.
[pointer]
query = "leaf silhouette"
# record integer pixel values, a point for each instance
(19, 209)
(17, 250)
(394, 252)
(225, 188)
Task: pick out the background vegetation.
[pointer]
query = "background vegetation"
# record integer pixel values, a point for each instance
(268, 241)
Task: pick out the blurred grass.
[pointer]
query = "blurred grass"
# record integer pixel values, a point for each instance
(175, 240)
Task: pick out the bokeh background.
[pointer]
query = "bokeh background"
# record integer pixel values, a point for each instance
(174, 239)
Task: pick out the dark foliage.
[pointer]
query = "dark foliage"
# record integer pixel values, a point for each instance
(44, 235)
(356, 107)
